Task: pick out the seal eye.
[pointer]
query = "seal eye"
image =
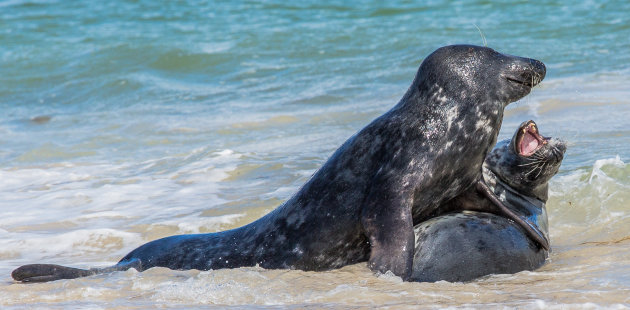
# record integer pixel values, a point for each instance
(528, 139)
(526, 83)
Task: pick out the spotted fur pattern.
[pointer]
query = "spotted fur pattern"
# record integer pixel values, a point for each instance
(362, 203)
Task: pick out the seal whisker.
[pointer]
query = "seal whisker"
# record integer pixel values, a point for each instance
(529, 164)
(533, 169)
(530, 171)
(541, 169)
(538, 156)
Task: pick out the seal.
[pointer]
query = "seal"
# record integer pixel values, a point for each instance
(466, 245)
(363, 202)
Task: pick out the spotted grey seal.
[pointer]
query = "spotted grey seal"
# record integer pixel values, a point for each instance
(466, 245)
(362, 203)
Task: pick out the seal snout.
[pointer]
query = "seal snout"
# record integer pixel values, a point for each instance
(558, 148)
(538, 71)
(529, 73)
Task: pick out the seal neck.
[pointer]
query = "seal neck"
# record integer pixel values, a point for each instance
(530, 209)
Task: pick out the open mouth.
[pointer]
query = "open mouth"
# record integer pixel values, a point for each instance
(528, 140)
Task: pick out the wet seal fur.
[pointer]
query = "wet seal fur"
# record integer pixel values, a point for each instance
(466, 245)
(363, 202)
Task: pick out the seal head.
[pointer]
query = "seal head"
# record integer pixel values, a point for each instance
(527, 161)
(471, 72)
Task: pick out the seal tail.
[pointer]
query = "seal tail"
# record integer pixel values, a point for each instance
(50, 272)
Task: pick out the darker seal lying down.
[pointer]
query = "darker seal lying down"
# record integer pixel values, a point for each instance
(466, 245)
(362, 204)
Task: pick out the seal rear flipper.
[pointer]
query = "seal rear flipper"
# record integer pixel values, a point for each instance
(48, 272)
(529, 228)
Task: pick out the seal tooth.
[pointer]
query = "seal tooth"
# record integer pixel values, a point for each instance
(533, 127)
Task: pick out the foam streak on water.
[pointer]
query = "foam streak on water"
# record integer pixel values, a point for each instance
(127, 121)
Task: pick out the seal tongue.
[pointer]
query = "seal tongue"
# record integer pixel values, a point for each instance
(529, 144)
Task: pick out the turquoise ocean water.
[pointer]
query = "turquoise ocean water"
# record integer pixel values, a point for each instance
(126, 121)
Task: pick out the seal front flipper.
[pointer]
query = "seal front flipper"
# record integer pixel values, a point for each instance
(532, 232)
(51, 272)
(388, 223)
(391, 241)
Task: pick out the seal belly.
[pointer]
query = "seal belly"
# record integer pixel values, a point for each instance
(464, 246)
